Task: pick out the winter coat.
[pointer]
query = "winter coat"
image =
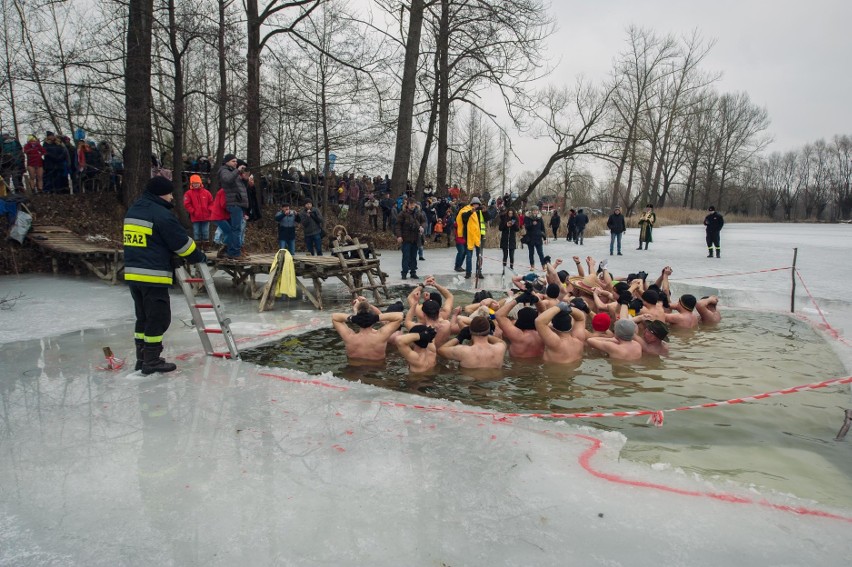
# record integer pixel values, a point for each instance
(235, 189)
(152, 235)
(508, 233)
(311, 222)
(408, 226)
(468, 227)
(714, 222)
(55, 157)
(286, 225)
(615, 223)
(581, 221)
(35, 154)
(197, 202)
(219, 210)
(534, 227)
(555, 221)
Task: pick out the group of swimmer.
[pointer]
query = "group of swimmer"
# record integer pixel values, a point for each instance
(553, 316)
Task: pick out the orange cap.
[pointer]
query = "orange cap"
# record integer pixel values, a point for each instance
(195, 179)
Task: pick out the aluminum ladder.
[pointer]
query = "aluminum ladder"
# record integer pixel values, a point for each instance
(214, 304)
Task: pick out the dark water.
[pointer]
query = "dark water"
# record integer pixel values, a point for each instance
(783, 442)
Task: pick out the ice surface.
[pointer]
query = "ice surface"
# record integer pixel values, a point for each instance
(225, 463)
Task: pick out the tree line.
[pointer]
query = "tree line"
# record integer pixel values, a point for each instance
(406, 87)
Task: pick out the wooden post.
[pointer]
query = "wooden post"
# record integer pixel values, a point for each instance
(793, 277)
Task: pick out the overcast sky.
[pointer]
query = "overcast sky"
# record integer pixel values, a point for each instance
(790, 56)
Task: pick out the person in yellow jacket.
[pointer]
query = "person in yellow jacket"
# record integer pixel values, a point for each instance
(470, 228)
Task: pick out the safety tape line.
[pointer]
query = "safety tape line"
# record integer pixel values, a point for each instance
(654, 416)
(735, 274)
(831, 330)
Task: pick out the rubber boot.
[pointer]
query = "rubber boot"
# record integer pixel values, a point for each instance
(718, 252)
(152, 362)
(140, 346)
(709, 252)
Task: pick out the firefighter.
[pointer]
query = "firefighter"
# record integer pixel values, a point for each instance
(152, 236)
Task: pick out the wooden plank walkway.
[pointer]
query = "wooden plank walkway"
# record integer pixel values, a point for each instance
(351, 263)
(58, 242)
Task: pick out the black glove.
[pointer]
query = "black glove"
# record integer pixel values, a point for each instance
(546, 260)
(464, 335)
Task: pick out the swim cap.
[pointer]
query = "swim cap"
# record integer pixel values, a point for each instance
(526, 318)
(688, 301)
(601, 322)
(625, 329)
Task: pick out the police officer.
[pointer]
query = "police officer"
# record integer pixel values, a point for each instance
(152, 236)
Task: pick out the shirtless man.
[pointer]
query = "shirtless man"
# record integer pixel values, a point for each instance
(562, 328)
(366, 343)
(622, 346)
(651, 305)
(485, 352)
(683, 314)
(654, 337)
(706, 308)
(427, 313)
(418, 348)
(524, 340)
(444, 298)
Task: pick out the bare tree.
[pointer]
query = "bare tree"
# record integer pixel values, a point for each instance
(137, 149)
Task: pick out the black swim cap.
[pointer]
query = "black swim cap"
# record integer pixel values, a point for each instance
(365, 319)
(526, 318)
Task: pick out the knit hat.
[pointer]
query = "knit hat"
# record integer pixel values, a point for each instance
(159, 185)
(601, 322)
(195, 179)
(228, 157)
(625, 329)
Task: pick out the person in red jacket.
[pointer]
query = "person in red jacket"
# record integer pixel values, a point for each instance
(198, 203)
(35, 163)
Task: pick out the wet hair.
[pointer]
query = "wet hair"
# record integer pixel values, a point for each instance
(621, 286)
(431, 308)
(436, 297)
(651, 296)
(364, 319)
(563, 275)
(482, 294)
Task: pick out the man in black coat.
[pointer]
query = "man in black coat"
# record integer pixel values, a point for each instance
(617, 227)
(152, 237)
(714, 223)
(580, 225)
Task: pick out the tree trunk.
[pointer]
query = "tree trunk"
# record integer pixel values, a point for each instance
(222, 101)
(177, 116)
(402, 154)
(253, 85)
(442, 78)
(137, 89)
(430, 136)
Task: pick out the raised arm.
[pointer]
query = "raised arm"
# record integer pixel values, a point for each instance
(502, 317)
(542, 325)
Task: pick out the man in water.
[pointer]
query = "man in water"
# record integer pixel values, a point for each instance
(654, 337)
(485, 351)
(622, 346)
(524, 340)
(366, 343)
(683, 314)
(707, 311)
(428, 313)
(418, 348)
(562, 329)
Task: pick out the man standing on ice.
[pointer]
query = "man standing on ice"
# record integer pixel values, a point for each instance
(152, 236)
(714, 223)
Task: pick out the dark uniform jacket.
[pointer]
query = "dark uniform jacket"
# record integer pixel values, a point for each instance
(152, 235)
(714, 222)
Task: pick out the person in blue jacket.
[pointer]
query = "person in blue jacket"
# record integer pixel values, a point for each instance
(152, 237)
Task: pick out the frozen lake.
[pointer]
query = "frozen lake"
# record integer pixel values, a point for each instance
(228, 462)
